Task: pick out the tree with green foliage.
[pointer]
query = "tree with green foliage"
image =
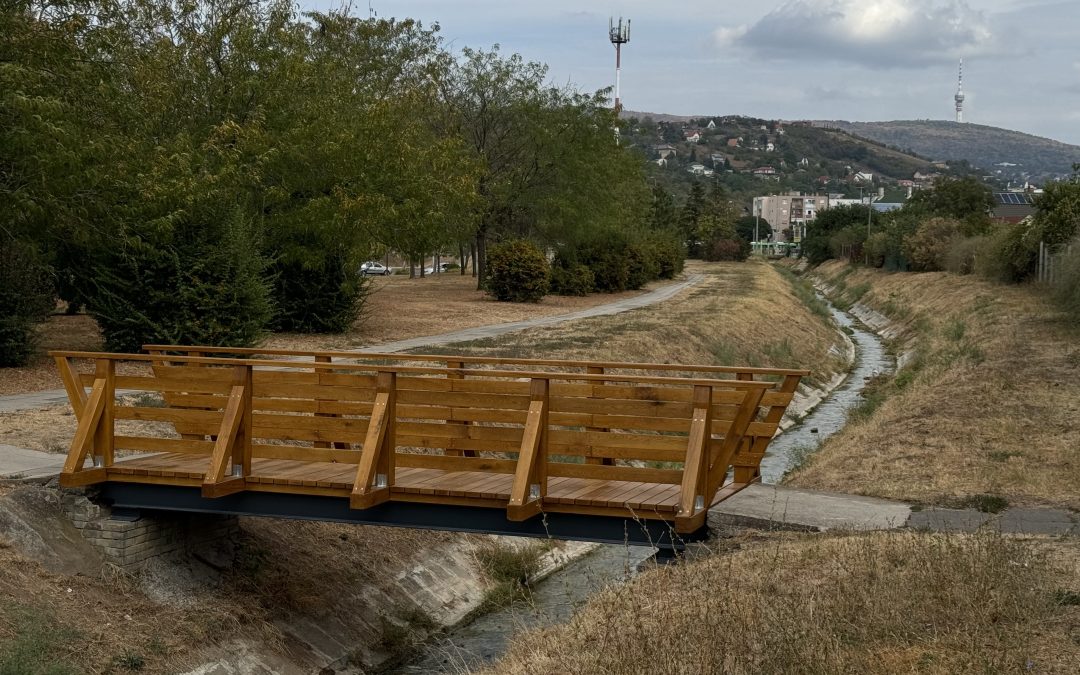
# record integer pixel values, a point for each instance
(817, 244)
(965, 199)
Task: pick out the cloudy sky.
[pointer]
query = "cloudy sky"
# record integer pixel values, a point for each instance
(860, 60)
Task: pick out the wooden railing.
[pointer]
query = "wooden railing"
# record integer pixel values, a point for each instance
(601, 443)
(745, 463)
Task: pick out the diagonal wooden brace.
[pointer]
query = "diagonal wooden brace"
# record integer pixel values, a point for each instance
(375, 473)
(530, 479)
(230, 462)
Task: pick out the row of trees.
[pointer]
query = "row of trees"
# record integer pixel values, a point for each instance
(949, 228)
(202, 171)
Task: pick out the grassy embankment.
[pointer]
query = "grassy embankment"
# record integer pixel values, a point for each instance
(985, 412)
(871, 603)
(740, 313)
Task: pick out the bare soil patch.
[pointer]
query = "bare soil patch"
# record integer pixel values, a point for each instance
(989, 404)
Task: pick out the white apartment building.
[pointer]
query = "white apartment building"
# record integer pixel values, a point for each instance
(789, 211)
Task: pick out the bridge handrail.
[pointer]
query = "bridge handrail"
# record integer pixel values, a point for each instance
(416, 370)
(480, 360)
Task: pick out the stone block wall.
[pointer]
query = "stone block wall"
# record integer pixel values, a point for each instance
(128, 541)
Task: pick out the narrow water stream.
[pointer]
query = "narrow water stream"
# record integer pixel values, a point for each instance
(556, 598)
(830, 415)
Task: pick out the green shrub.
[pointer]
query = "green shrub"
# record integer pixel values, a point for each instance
(575, 280)
(518, 272)
(26, 298)
(669, 254)
(928, 248)
(641, 265)
(877, 248)
(608, 263)
(203, 284)
(322, 296)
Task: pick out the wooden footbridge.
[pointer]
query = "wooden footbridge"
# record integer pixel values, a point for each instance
(601, 451)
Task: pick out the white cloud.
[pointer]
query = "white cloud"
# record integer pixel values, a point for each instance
(875, 33)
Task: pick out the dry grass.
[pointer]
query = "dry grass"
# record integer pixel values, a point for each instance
(52, 623)
(740, 314)
(989, 406)
(872, 603)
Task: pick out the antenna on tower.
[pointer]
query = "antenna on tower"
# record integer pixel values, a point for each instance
(619, 35)
(959, 98)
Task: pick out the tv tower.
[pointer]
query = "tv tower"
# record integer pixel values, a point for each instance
(619, 35)
(959, 98)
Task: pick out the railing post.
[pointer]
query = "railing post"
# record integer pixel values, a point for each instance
(692, 498)
(103, 435)
(242, 442)
(375, 473)
(319, 358)
(596, 370)
(530, 479)
(453, 452)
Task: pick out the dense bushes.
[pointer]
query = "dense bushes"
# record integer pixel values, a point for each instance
(928, 248)
(205, 286)
(324, 296)
(518, 272)
(26, 297)
(574, 279)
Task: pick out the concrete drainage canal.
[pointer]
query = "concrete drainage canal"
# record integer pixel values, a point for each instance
(556, 598)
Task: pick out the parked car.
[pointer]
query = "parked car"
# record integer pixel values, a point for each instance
(443, 268)
(372, 268)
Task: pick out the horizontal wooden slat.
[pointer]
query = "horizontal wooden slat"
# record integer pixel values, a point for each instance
(311, 391)
(303, 453)
(463, 400)
(183, 415)
(163, 445)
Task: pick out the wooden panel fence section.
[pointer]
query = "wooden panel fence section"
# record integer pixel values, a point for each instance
(626, 440)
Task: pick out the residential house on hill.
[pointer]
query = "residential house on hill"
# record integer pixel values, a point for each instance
(765, 171)
(1012, 207)
(697, 169)
(666, 151)
(711, 125)
(693, 136)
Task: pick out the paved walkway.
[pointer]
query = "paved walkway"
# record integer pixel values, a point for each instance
(775, 506)
(44, 399)
(495, 330)
(21, 463)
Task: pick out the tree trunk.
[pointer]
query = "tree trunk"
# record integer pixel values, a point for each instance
(412, 268)
(463, 262)
(437, 267)
(472, 256)
(481, 258)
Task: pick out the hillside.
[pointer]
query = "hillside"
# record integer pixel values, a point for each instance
(1036, 158)
(752, 156)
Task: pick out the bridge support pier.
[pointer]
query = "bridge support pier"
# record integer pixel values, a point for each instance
(128, 538)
